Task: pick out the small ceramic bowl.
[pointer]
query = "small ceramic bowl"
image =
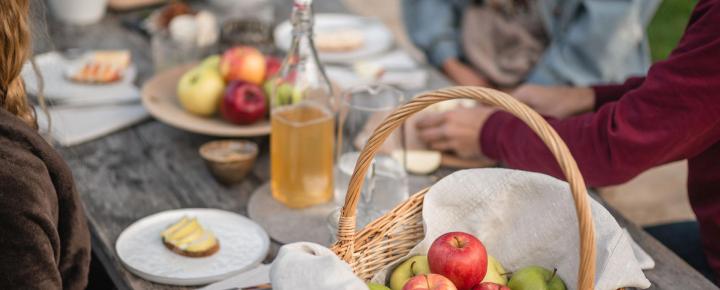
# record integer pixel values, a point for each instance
(229, 161)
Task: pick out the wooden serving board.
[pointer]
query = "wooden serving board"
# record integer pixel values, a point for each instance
(160, 99)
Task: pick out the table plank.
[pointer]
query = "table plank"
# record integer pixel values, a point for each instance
(152, 167)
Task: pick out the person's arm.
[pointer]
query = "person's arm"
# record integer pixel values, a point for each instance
(612, 92)
(672, 115)
(28, 235)
(433, 26)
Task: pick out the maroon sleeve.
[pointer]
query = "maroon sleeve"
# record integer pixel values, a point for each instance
(674, 114)
(612, 92)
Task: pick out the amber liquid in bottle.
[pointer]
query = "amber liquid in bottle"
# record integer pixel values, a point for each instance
(302, 122)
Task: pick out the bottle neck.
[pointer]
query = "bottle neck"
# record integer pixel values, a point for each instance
(302, 18)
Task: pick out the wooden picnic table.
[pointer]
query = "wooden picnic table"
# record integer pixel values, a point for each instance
(152, 167)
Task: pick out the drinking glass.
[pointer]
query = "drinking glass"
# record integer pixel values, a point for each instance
(361, 110)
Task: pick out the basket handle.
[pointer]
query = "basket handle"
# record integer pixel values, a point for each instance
(490, 97)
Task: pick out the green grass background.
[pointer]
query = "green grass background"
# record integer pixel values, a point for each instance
(667, 26)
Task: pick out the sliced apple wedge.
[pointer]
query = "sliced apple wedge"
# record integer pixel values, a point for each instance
(419, 162)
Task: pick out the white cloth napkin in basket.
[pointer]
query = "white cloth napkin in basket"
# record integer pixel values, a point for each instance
(523, 219)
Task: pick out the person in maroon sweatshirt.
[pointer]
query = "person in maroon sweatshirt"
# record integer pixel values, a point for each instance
(671, 114)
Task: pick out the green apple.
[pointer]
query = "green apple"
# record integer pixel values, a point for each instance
(495, 272)
(412, 267)
(284, 94)
(536, 278)
(212, 61)
(297, 95)
(376, 286)
(200, 91)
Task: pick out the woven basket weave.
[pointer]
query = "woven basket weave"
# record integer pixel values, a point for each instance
(393, 235)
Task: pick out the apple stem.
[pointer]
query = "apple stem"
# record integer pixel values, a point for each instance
(412, 266)
(553, 274)
(506, 273)
(458, 242)
(427, 280)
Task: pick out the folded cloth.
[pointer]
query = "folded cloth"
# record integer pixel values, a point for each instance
(75, 125)
(524, 219)
(83, 112)
(644, 260)
(309, 266)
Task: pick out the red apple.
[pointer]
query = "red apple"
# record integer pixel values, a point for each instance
(429, 282)
(490, 286)
(243, 63)
(460, 257)
(243, 103)
(272, 65)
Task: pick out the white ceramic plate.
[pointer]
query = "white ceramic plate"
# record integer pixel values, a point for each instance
(243, 245)
(53, 69)
(377, 37)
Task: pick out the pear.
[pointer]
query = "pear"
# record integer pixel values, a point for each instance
(495, 272)
(376, 286)
(536, 278)
(412, 267)
(212, 62)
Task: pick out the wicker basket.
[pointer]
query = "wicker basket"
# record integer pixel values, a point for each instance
(393, 235)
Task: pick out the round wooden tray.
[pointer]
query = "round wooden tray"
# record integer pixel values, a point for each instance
(160, 99)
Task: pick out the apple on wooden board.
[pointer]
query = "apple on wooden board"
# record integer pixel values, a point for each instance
(536, 278)
(429, 282)
(495, 272)
(460, 257)
(490, 286)
(376, 286)
(243, 103)
(412, 267)
(243, 63)
(272, 65)
(212, 62)
(200, 91)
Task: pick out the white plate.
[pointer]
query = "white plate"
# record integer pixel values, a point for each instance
(377, 37)
(53, 69)
(243, 245)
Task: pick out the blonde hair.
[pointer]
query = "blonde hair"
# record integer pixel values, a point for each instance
(15, 45)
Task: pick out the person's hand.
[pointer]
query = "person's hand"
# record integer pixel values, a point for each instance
(463, 74)
(556, 101)
(457, 130)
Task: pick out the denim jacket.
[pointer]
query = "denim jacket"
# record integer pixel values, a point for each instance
(591, 41)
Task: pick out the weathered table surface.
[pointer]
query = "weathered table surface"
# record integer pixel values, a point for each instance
(152, 167)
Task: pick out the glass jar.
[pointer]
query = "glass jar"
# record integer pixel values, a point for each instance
(361, 110)
(302, 121)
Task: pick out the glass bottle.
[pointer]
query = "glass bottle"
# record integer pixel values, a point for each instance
(302, 121)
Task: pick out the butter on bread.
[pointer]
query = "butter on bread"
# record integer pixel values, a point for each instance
(187, 237)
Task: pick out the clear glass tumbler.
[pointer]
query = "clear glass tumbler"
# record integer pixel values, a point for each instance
(361, 110)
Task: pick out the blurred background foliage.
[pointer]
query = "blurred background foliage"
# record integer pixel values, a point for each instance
(668, 25)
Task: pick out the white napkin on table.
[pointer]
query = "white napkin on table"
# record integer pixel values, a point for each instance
(309, 266)
(399, 70)
(72, 126)
(84, 111)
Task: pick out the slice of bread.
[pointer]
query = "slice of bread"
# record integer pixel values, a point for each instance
(102, 67)
(341, 40)
(187, 237)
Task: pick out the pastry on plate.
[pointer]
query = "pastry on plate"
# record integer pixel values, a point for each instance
(339, 40)
(187, 237)
(101, 67)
